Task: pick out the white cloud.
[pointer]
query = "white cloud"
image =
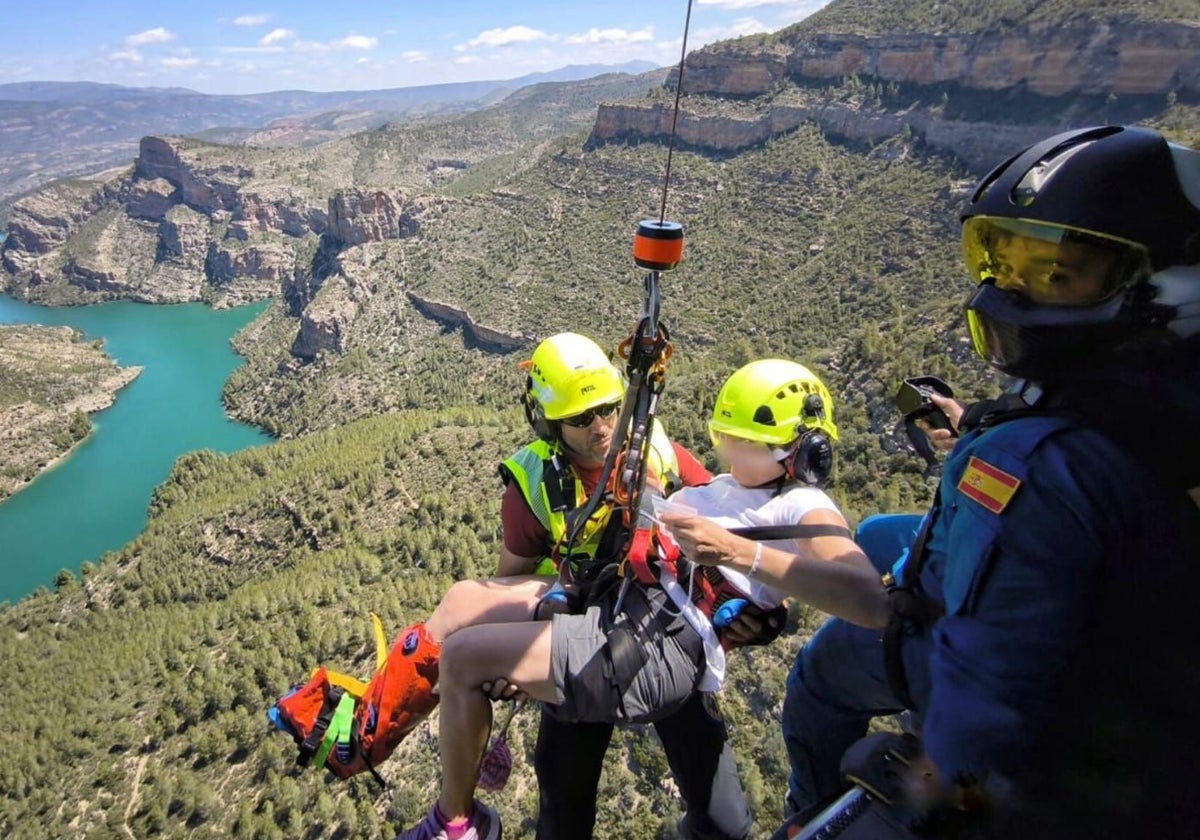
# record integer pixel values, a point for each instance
(508, 35)
(251, 20)
(612, 36)
(268, 50)
(125, 55)
(355, 42)
(158, 35)
(350, 42)
(413, 56)
(468, 59)
(176, 63)
(277, 34)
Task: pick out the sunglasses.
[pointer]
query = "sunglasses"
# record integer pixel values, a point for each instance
(582, 421)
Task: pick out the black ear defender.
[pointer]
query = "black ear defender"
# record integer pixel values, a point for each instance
(810, 458)
(545, 429)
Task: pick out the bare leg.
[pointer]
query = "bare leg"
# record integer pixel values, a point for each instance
(493, 601)
(519, 653)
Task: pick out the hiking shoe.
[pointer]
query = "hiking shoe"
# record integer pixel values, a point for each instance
(483, 825)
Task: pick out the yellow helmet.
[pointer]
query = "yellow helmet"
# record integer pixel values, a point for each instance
(568, 374)
(772, 401)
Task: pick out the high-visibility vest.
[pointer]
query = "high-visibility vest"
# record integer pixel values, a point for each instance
(550, 487)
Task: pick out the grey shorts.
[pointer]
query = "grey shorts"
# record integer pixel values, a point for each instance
(635, 667)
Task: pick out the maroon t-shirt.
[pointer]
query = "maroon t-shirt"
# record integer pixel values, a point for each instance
(524, 536)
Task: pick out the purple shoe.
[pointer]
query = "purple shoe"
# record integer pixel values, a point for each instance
(484, 825)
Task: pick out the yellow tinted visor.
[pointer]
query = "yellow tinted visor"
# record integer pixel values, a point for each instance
(1050, 264)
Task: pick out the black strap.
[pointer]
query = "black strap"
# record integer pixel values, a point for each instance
(791, 532)
(559, 484)
(310, 745)
(371, 768)
(920, 441)
(910, 609)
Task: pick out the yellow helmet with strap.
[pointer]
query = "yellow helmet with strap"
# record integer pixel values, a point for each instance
(784, 405)
(568, 374)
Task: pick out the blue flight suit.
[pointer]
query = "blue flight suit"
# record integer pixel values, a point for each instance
(1015, 571)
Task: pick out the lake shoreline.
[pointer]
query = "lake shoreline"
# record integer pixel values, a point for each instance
(99, 403)
(50, 376)
(165, 372)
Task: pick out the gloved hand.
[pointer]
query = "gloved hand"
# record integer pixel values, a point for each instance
(756, 626)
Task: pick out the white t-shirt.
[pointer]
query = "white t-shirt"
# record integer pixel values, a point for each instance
(731, 505)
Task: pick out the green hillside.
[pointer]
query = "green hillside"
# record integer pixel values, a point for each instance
(137, 698)
(802, 248)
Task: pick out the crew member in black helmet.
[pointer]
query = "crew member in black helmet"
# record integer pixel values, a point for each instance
(1042, 619)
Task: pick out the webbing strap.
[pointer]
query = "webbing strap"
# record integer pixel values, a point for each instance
(639, 557)
(908, 606)
(338, 730)
(791, 532)
(313, 742)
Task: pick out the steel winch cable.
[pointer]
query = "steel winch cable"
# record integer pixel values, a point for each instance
(657, 247)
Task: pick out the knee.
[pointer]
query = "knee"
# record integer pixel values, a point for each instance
(459, 596)
(454, 610)
(460, 661)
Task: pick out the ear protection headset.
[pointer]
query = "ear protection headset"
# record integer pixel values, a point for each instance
(810, 458)
(545, 429)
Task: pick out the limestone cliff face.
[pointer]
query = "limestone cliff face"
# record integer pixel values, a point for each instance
(1057, 64)
(496, 341)
(45, 220)
(206, 191)
(174, 229)
(975, 143)
(1121, 58)
(326, 321)
(358, 216)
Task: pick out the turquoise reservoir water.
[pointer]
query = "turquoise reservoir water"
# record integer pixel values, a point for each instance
(95, 501)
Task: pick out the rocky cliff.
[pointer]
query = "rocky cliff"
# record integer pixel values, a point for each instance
(975, 95)
(493, 340)
(1081, 57)
(185, 224)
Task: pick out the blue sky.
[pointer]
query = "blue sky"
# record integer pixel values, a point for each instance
(248, 46)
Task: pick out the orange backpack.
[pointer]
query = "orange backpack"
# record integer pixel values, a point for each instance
(349, 726)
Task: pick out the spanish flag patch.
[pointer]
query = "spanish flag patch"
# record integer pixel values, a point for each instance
(987, 485)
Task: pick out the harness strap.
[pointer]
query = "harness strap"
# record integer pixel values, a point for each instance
(791, 532)
(639, 557)
(313, 742)
(909, 608)
(338, 730)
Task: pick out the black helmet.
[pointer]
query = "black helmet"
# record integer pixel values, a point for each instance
(1079, 244)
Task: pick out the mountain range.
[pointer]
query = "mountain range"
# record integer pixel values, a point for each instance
(55, 129)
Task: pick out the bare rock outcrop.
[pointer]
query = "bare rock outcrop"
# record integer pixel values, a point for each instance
(358, 216)
(326, 321)
(1079, 61)
(42, 222)
(1082, 57)
(207, 191)
(488, 338)
(150, 199)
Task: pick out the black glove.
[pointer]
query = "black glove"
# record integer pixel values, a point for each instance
(771, 623)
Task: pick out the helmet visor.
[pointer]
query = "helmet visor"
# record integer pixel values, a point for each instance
(1048, 264)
